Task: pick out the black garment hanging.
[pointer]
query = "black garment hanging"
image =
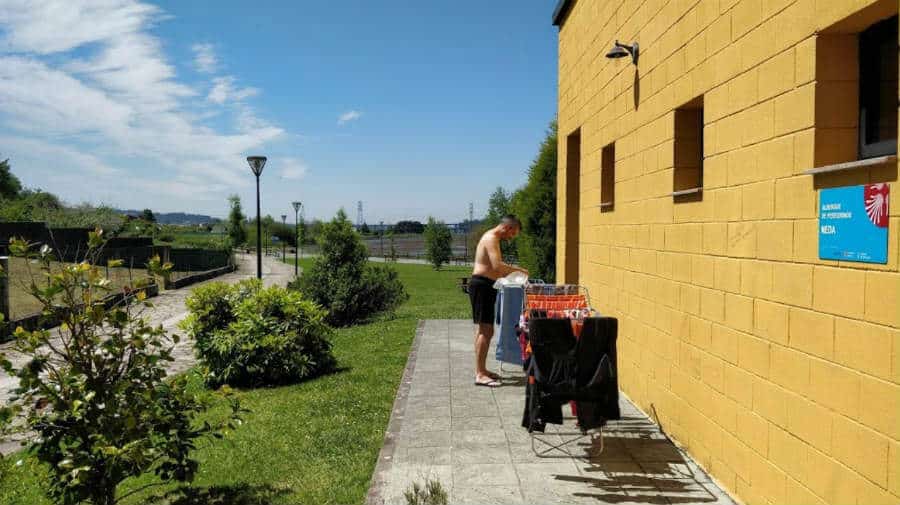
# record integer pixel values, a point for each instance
(562, 369)
(597, 378)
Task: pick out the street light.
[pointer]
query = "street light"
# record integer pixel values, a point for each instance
(296, 206)
(381, 226)
(283, 242)
(257, 163)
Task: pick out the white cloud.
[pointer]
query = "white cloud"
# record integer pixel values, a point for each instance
(293, 169)
(69, 159)
(118, 97)
(51, 26)
(223, 90)
(350, 115)
(205, 59)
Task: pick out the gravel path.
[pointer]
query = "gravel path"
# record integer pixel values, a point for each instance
(168, 310)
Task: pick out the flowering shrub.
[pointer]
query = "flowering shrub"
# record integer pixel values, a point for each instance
(95, 392)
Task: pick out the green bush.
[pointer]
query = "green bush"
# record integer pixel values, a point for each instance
(247, 335)
(433, 493)
(95, 393)
(343, 281)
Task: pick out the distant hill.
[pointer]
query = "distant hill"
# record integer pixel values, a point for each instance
(176, 217)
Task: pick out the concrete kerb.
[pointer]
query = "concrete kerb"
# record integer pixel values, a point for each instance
(386, 455)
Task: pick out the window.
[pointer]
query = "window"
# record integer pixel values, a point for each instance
(878, 89)
(688, 177)
(608, 178)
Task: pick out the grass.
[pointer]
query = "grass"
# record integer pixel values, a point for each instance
(310, 443)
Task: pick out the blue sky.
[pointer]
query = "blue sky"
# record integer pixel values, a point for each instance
(413, 107)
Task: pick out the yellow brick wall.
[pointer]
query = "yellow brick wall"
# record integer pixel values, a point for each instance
(778, 371)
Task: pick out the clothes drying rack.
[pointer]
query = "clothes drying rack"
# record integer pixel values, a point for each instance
(559, 301)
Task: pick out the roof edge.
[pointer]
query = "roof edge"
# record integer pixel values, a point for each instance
(559, 13)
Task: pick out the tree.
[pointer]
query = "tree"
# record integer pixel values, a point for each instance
(31, 205)
(10, 186)
(364, 229)
(535, 205)
(147, 215)
(438, 243)
(96, 394)
(236, 230)
(409, 227)
(499, 205)
(392, 246)
(342, 281)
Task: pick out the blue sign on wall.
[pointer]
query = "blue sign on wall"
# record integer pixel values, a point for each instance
(853, 223)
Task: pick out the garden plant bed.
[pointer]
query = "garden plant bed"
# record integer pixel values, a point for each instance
(23, 305)
(181, 279)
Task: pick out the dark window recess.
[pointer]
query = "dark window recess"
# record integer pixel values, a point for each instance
(878, 89)
(688, 176)
(608, 178)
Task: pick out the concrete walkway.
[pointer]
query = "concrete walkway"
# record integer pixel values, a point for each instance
(471, 440)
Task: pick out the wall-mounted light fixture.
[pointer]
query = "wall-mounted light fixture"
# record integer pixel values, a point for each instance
(620, 50)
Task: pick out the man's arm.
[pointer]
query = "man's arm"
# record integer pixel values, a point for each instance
(497, 263)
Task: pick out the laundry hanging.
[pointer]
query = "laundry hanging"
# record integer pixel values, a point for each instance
(510, 303)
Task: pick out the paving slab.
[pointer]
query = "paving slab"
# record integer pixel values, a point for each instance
(470, 439)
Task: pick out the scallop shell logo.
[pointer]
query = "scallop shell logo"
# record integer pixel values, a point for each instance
(876, 200)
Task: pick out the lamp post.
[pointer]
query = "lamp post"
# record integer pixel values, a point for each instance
(296, 206)
(381, 232)
(257, 163)
(283, 242)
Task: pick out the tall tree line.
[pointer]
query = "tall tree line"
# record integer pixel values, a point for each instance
(535, 206)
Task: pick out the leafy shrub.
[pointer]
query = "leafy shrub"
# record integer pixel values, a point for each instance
(246, 335)
(343, 281)
(432, 493)
(95, 392)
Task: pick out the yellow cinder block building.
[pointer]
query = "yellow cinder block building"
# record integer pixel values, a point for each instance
(690, 180)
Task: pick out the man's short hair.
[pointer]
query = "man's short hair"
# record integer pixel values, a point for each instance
(511, 220)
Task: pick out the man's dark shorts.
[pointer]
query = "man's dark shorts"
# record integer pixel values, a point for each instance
(483, 297)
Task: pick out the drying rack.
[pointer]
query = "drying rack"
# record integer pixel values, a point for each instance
(560, 301)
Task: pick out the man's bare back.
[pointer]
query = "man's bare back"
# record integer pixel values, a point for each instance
(488, 258)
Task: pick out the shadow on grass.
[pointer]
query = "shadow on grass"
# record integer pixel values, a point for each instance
(247, 388)
(241, 494)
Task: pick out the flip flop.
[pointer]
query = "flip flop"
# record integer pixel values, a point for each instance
(489, 384)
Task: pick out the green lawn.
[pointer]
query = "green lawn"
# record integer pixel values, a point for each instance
(312, 443)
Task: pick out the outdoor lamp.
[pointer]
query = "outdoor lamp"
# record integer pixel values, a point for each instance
(296, 206)
(620, 50)
(257, 163)
(283, 242)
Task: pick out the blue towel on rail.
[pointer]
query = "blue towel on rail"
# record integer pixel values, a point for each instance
(510, 302)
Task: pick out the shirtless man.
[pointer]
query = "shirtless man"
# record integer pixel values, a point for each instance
(489, 267)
